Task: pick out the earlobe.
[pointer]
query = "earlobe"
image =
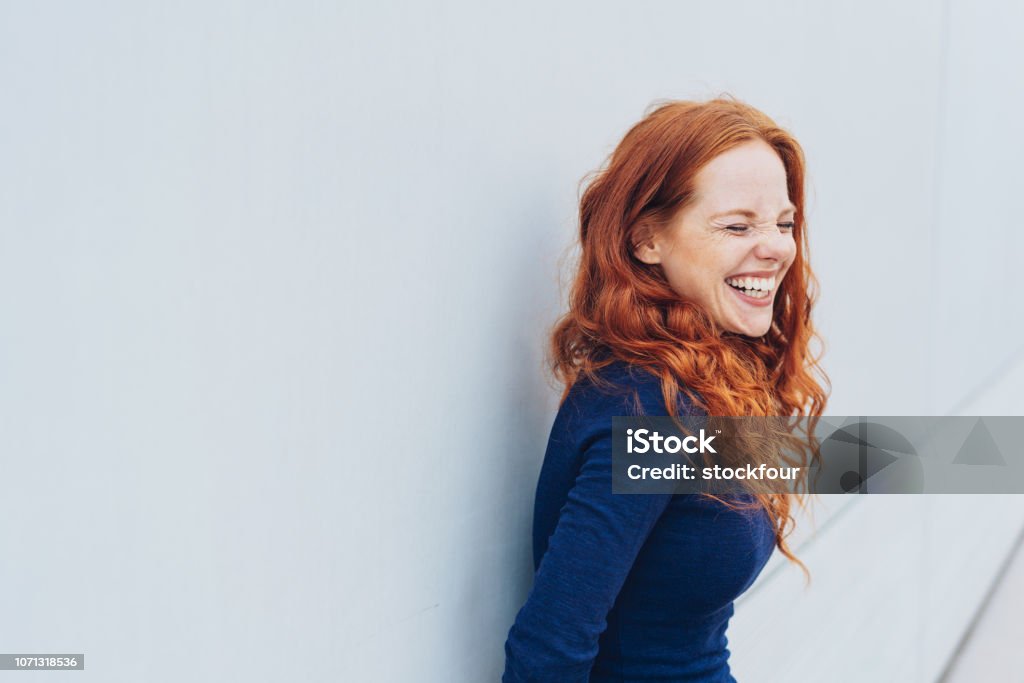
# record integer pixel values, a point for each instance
(647, 252)
(645, 246)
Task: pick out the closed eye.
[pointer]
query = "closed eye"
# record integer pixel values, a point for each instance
(739, 229)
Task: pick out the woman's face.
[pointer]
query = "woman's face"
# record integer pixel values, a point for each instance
(729, 249)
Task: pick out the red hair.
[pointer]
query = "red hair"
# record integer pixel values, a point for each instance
(623, 309)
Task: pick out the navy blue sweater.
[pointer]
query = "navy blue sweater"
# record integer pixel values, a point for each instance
(628, 587)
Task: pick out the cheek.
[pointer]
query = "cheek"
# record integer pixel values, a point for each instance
(791, 251)
(687, 280)
(682, 268)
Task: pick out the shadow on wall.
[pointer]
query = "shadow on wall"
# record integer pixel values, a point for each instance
(520, 396)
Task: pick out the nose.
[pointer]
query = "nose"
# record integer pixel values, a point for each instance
(775, 245)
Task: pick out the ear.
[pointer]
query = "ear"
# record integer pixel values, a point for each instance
(646, 246)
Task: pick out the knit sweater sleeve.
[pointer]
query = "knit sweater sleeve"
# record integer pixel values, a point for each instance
(591, 551)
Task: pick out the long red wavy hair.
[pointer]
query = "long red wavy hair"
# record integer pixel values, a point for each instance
(623, 309)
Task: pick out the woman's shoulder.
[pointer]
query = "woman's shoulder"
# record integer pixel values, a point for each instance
(619, 386)
(619, 389)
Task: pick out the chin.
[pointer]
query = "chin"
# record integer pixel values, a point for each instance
(752, 329)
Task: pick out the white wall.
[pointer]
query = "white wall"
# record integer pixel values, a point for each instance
(276, 280)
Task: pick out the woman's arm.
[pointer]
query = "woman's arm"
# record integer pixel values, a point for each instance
(597, 538)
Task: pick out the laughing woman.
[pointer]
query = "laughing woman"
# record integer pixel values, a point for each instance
(692, 297)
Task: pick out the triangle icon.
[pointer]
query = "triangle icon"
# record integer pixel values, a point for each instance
(979, 448)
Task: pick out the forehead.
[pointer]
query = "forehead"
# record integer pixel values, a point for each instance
(749, 176)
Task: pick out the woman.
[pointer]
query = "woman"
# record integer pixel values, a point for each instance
(693, 296)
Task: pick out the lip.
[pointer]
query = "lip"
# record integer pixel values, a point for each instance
(751, 301)
(757, 273)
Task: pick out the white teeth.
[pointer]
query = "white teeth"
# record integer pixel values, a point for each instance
(752, 284)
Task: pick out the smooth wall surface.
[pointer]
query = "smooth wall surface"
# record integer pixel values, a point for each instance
(276, 281)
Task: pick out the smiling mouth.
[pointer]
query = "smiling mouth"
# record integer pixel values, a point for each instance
(754, 287)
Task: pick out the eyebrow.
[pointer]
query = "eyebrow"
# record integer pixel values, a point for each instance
(747, 213)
